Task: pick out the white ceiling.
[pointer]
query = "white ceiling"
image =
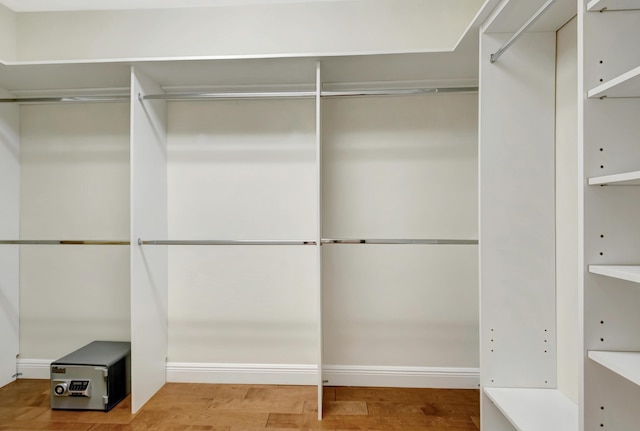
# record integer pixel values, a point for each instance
(68, 5)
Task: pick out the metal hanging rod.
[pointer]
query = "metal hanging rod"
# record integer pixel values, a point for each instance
(60, 242)
(242, 95)
(229, 95)
(67, 99)
(226, 242)
(402, 241)
(305, 94)
(398, 91)
(494, 57)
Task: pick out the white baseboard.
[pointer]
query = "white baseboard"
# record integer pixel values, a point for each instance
(34, 368)
(255, 374)
(292, 374)
(334, 375)
(401, 377)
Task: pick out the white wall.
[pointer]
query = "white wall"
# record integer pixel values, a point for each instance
(400, 167)
(276, 29)
(393, 168)
(569, 352)
(242, 170)
(75, 186)
(7, 34)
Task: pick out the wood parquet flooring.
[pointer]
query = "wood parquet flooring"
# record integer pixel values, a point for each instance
(24, 406)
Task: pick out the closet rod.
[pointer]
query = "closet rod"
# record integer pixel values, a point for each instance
(308, 94)
(494, 57)
(399, 91)
(402, 241)
(229, 95)
(111, 98)
(227, 242)
(60, 242)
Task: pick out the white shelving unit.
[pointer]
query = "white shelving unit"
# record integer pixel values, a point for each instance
(535, 409)
(609, 79)
(520, 333)
(626, 364)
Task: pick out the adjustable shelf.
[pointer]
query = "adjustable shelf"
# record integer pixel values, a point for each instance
(599, 5)
(625, 364)
(622, 272)
(625, 85)
(624, 179)
(535, 409)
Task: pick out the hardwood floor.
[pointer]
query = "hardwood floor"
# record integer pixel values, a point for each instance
(24, 405)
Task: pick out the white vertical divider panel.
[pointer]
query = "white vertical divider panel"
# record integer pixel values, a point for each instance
(517, 215)
(319, 234)
(149, 279)
(9, 229)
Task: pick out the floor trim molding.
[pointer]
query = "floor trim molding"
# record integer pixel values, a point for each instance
(293, 374)
(402, 377)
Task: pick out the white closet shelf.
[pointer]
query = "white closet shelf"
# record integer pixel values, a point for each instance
(535, 409)
(622, 272)
(625, 364)
(624, 179)
(625, 85)
(598, 5)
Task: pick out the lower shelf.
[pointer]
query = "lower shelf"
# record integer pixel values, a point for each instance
(622, 272)
(626, 364)
(535, 409)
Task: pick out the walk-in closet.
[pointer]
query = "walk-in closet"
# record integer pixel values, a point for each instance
(396, 194)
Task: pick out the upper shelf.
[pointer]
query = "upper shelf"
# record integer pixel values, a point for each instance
(625, 364)
(598, 5)
(249, 73)
(625, 85)
(624, 179)
(535, 409)
(621, 272)
(509, 16)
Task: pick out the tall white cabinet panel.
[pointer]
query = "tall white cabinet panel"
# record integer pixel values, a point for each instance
(149, 285)
(517, 212)
(609, 130)
(74, 186)
(9, 229)
(567, 185)
(523, 305)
